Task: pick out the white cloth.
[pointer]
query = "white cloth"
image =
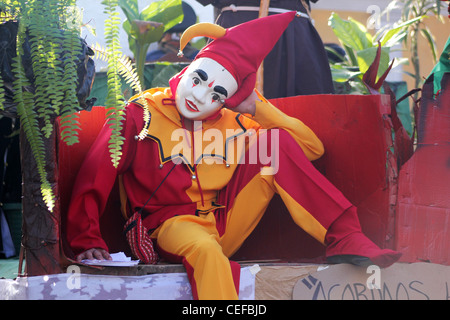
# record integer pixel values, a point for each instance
(76, 286)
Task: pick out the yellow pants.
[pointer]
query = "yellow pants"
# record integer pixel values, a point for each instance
(204, 245)
(197, 240)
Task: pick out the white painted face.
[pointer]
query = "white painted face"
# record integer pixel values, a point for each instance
(203, 88)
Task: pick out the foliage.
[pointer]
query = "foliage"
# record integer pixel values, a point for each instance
(361, 50)
(114, 100)
(148, 26)
(52, 36)
(126, 70)
(411, 10)
(442, 67)
(47, 87)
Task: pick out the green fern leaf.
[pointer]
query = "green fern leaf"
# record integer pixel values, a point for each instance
(114, 99)
(70, 126)
(29, 121)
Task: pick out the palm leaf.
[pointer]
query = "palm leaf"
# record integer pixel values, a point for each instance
(168, 12)
(431, 42)
(349, 32)
(386, 39)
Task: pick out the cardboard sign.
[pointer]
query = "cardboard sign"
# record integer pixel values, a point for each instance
(401, 281)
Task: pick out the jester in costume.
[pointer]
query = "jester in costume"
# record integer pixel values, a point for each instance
(192, 194)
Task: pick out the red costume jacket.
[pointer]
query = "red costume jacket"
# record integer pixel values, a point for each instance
(145, 163)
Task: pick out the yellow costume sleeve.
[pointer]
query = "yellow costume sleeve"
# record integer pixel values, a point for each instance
(270, 117)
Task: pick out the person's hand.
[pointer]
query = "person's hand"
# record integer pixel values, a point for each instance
(94, 253)
(248, 105)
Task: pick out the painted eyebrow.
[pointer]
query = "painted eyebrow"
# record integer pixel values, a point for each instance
(202, 74)
(221, 90)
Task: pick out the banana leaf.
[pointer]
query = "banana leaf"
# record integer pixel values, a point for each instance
(148, 26)
(442, 67)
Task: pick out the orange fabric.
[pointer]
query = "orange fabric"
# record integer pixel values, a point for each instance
(206, 251)
(302, 217)
(245, 215)
(197, 240)
(189, 236)
(262, 187)
(212, 160)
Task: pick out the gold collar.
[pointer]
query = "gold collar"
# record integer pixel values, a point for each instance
(214, 140)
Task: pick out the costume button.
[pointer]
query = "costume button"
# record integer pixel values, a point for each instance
(161, 166)
(193, 176)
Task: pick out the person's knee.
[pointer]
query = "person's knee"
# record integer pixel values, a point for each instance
(207, 251)
(200, 247)
(207, 245)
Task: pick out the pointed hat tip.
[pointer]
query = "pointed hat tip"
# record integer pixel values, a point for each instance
(203, 29)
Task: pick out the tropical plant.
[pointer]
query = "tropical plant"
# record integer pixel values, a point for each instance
(46, 77)
(361, 49)
(411, 10)
(148, 26)
(114, 100)
(39, 78)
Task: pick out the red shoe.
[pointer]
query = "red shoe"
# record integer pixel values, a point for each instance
(347, 244)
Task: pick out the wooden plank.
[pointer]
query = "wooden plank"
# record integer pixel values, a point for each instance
(263, 12)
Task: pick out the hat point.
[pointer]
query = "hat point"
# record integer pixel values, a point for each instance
(240, 49)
